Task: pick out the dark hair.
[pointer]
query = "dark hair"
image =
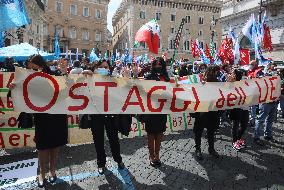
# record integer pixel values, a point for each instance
(101, 61)
(210, 74)
(164, 68)
(87, 59)
(76, 63)
(39, 61)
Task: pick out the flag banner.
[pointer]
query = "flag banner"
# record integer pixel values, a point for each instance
(37, 92)
(244, 56)
(18, 172)
(12, 14)
(13, 137)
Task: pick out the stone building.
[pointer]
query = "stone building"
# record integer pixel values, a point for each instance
(32, 33)
(235, 13)
(132, 14)
(78, 23)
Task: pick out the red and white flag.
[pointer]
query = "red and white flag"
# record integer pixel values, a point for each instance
(245, 56)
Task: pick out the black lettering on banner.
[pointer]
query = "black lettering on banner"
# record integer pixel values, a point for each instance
(8, 181)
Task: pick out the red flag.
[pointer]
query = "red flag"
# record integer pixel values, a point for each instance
(267, 43)
(226, 52)
(195, 49)
(245, 56)
(149, 33)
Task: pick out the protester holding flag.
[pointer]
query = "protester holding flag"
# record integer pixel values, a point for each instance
(51, 130)
(209, 120)
(155, 125)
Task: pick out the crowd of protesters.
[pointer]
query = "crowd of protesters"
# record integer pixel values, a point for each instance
(159, 69)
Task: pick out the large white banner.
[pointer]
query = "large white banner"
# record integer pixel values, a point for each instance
(18, 172)
(39, 92)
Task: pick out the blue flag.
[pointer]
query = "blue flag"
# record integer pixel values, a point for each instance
(56, 48)
(12, 14)
(2, 40)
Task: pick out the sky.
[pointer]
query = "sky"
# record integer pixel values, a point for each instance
(112, 7)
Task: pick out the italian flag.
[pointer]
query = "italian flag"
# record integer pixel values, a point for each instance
(149, 33)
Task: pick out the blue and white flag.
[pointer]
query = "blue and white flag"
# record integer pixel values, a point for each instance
(12, 14)
(232, 35)
(260, 29)
(248, 28)
(56, 48)
(237, 53)
(77, 54)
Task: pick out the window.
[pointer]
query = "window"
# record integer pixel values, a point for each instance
(172, 44)
(142, 14)
(98, 36)
(86, 12)
(187, 19)
(31, 42)
(201, 20)
(173, 18)
(158, 16)
(37, 29)
(85, 34)
(72, 33)
(58, 6)
(73, 9)
(58, 30)
(98, 1)
(187, 45)
(98, 14)
(201, 44)
(200, 33)
(172, 30)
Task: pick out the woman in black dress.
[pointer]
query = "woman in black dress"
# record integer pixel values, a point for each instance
(155, 124)
(51, 131)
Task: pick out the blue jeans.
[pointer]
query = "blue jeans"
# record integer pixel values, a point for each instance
(282, 105)
(267, 114)
(253, 114)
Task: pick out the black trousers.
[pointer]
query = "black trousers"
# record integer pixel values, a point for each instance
(240, 123)
(210, 121)
(102, 123)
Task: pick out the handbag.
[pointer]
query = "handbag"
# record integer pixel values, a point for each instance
(123, 123)
(25, 120)
(85, 121)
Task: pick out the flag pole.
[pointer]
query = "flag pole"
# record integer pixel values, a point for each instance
(177, 40)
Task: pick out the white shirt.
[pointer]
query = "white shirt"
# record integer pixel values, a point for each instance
(76, 70)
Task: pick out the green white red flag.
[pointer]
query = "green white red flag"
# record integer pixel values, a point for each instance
(150, 34)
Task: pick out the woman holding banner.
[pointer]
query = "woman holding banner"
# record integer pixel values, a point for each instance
(209, 120)
(101, 123)
(155, 125)
(51, 130)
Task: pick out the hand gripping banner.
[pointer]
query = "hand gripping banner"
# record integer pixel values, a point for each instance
(76, 94)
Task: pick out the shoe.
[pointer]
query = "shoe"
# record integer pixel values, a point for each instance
(158, 163)
(101, 170)
(41, 184)
(258, 141)
(242, 143)
(213, 153)
(152, 163)
(121, 166)
(237, 146)
(198, 154)
(271, 139)
(52, 179)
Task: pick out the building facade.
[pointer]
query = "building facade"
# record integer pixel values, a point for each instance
(132, 14)
(32, 33)
(235, 13)
(78, 24)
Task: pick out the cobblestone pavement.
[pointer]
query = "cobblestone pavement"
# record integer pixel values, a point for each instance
(253, 168)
